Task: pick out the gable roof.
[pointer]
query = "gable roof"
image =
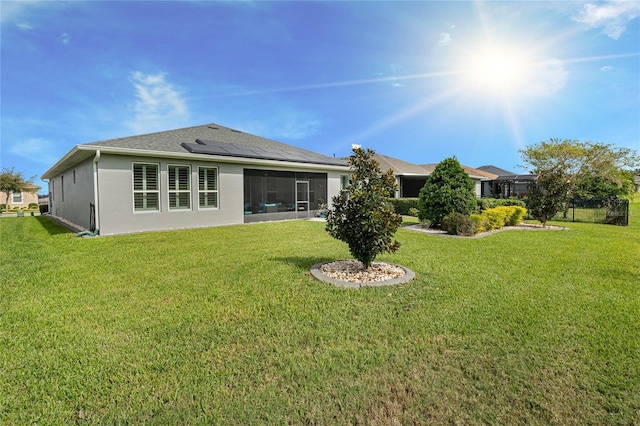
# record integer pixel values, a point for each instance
(496, 170)
(473, 173)
(223, 143)
(506, 175)
(399, 167)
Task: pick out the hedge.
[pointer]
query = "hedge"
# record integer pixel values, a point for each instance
(490, 203)
(402, 205)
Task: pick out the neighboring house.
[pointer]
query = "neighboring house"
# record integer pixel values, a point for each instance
(199, 176)
(24, 198)
(506, 184)
(412, 177)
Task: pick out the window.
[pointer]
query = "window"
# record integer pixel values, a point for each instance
(208, 187)
(74, 177)
(179, 187)
(146, 195)
(62, 187)
(344, 182)
(17, 197)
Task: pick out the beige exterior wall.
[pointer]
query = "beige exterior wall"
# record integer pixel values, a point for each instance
(26, 198)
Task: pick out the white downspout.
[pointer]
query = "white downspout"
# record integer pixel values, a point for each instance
(95, 187)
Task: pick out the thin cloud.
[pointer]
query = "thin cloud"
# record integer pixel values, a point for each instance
(24, 26)
(38, 150)
(612, 17)
(285, 124)
(444, 38)
(547, 79)
(158, 104)
(64, 38)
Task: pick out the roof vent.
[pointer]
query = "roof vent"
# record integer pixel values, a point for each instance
(211, 126)
(234, 130)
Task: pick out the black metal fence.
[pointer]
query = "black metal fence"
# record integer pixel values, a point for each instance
(613, 211)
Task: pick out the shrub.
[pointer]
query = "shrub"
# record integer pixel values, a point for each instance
(403, 205)
(489, 203)
(448, 189)
(495, 217)
(33, 206)
(458, 224)
(362, 215)
(517, 214)
(414, 212)
(479, 223)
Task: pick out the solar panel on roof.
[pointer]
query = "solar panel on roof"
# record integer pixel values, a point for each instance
(246, 151)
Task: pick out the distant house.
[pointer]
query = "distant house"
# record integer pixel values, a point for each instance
(506, 184)
(24, 198)
(187, 178)
(412, 177)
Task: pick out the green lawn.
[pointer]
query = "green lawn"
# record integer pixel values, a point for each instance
(227, 326)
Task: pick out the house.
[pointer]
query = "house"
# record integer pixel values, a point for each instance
(22, 199)
(506, 184)
(199, 176)
(412, 177)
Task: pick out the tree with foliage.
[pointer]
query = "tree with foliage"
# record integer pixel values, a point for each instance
(13, 182)
(449, 189)
(569, 168)
(362, 215)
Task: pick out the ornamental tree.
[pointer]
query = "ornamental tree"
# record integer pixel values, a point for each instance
(569, 168)
(362, 215)
(449, 189)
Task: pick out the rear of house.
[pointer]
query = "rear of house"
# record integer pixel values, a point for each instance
(187, 178)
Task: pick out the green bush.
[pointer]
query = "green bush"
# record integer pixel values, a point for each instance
(458, 224)
(33, 206)
(489, 203)
(414, 212)
(404, 205)
(447, 190)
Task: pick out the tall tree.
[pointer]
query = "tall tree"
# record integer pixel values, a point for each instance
(449, 189)
(362, 215)
(569, 168)
(12, 182)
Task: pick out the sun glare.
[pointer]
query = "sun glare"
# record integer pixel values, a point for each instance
(497, 69)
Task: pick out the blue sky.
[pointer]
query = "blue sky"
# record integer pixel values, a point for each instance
(419, 81)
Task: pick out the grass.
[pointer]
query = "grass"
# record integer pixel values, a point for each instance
(226, 326)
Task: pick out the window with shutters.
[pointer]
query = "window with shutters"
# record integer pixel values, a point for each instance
(179, 187)
(208, 187)
(146, 188)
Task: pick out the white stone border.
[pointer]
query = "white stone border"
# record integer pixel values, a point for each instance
(318, 274)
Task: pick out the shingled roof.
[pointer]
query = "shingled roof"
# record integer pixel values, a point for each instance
(238, 143)
(207, 139)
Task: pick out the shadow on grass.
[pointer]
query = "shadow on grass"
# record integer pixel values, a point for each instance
(304, 263)
(52, 227)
